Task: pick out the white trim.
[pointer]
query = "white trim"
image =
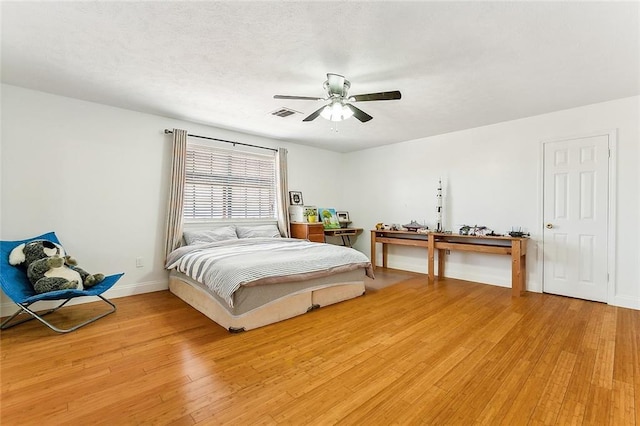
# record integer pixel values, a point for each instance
(540, 220)
(136, 288)
(627, 302)
(612, 212)
(612, 141)
(458, 271)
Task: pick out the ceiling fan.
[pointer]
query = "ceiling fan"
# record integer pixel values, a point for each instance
(339, 105)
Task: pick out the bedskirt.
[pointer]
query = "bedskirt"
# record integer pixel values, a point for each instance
(257, 306)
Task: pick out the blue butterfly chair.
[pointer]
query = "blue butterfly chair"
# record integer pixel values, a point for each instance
(17, 287)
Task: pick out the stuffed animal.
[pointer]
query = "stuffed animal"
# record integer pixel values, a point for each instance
(49, 268)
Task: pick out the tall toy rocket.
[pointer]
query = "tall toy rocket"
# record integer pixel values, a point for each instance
(439, 207)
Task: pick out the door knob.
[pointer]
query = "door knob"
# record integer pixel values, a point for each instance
(549, 226)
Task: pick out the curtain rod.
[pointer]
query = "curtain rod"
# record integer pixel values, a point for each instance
(167, 131)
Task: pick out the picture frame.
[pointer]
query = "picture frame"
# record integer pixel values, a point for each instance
(343, 216)
(295, 198)
(329, 218)
(310, 214)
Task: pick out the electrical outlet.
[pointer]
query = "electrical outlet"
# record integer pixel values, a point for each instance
(139, 262)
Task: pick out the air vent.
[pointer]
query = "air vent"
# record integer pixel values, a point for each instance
(285, 112)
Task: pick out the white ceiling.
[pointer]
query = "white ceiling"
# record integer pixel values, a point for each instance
(458, 64)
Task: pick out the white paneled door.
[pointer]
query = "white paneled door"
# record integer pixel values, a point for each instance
(576, 182)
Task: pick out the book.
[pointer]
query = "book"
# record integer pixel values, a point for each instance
(329, 218)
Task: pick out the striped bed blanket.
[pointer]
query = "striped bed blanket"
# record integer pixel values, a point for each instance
(224, 266)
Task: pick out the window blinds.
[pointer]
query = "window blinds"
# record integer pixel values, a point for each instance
(229, 184)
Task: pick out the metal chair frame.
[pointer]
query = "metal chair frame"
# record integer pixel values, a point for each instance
(24, 309)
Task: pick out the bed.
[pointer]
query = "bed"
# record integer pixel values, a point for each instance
(247, 277)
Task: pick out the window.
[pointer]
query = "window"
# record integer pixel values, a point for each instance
(229, 184)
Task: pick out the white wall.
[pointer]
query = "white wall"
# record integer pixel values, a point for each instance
(98, 176)
(491, 176)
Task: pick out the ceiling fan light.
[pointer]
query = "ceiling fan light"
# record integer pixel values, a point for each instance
(326, 112)
(336, 111)
(346, 112)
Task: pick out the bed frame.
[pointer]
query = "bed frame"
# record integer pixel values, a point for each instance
(280, 308)
(304, 297)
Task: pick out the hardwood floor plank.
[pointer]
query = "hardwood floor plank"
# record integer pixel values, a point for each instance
(594, 327)
(496, 406)
(409, 353)
(178, 402)
(622, 404)
(598, 406)
(388, 402)
(553, 394)
(370, 384)
(526, 400)
(603, 373)
(574, 406)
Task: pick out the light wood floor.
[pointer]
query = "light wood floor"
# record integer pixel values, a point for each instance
(453, 353)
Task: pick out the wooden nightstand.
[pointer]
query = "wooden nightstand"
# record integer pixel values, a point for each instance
(308, 231)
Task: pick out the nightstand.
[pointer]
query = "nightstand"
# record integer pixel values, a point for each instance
(308, 231)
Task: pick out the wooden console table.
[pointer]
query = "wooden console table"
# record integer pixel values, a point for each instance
(403, 238)
(514, 246)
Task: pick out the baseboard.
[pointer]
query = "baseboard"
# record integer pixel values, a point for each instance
(137, 288)
(627, 302)
(403, 271)
(501, 279)
(8, 308)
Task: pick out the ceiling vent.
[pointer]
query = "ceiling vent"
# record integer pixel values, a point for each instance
(285, 112)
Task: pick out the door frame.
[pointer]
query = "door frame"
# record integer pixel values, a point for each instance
(611, 206)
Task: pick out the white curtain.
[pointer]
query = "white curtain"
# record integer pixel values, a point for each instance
(282, 191)
(176, 190)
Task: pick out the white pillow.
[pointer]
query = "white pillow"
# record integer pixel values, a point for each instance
(211, 235)
(257, 231)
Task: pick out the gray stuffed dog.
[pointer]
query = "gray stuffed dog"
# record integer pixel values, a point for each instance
(49, 268)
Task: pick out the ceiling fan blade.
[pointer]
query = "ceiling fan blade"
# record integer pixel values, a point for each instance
(336, 84)
(359, 114)
(304, 98)
(314, 115)
(380, 96)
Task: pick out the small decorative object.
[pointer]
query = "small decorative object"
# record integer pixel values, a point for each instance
(343, 218)
(517, 232)
(296, 214)
(414, 226)
(475, 230)
(49, 268)
(329, 218)
(310, 214)
(295, 198)
(480, 230)
(439, 207)
(379, 226)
